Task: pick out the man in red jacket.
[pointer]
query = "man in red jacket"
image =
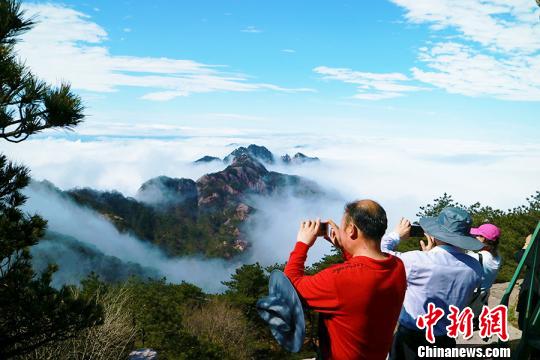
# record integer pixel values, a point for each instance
(360, 299)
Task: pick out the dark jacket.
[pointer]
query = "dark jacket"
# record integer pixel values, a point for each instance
(524, 290)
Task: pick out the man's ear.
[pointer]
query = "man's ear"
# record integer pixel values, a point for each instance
(352, 231)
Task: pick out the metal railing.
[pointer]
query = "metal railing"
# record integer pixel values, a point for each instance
(531, 316)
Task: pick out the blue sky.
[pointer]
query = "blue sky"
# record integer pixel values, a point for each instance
(402, 100)
(394, 96)
(459, 69)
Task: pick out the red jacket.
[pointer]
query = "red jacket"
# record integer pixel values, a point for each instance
(359, 302)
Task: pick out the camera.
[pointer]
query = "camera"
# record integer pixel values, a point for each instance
(416, 231)
(323, 229)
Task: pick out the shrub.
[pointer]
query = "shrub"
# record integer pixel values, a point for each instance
(111, 340)
(223, 325)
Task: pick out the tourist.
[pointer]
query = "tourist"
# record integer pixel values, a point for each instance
(441, 273)
(360, 299)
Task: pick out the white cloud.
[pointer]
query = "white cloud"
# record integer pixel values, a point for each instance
(494, 54)
(387, 168)
(370, 86)
(460, 69)
(401, 173)
(127, 30)
(122, 164)
(77, 53)
(290, 51)
(66, 217)
(251, 29)
(157, 130)
(507, 25)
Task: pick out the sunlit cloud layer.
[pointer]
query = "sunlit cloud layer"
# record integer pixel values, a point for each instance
(461, 69)
(505, 26)
(492, 52)
(370, 86)
(383, 168)
(402, 174)
(66, 45)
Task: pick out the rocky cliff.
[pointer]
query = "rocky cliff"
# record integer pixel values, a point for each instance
(260, 153)
(205, 216)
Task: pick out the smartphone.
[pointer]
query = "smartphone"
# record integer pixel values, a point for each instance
(416, 231)
(323, 229)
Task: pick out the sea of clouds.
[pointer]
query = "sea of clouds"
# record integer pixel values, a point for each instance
(402, 174)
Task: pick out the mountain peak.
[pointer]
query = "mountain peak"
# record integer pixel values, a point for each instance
(248, 161)
(260, 153)
(206, 159)
(298, 158)
(166, 190)
(244, 174)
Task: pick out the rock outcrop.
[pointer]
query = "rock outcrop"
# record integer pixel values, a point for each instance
(261, 154)
(164, 190)
(298, 158)
(206, 159)
(143, 354)
(206, 216)
(247, 176)
(257, 152)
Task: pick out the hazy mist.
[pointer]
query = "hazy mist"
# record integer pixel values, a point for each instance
(401, 174)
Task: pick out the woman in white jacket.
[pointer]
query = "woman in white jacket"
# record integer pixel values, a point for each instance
(491, 261)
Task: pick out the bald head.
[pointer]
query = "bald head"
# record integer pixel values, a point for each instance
(369, 217)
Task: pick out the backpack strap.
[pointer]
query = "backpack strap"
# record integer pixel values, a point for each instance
(478, 290)
(482, 266)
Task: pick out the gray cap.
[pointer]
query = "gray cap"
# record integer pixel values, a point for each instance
(452, 226)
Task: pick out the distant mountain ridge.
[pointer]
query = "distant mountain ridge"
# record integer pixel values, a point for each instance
(255, 151)
(80, 259)
(206, 159)
(261, 154)
(186, 217)
(298, 158)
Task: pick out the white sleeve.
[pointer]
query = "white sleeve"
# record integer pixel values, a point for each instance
(410, 258)
(389, 242)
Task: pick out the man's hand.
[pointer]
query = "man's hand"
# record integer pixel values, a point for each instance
(403, 228)
(527, 241)
(430, 243)
(333, 236)
(308, 231)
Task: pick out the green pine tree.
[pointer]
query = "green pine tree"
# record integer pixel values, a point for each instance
(32, 313)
